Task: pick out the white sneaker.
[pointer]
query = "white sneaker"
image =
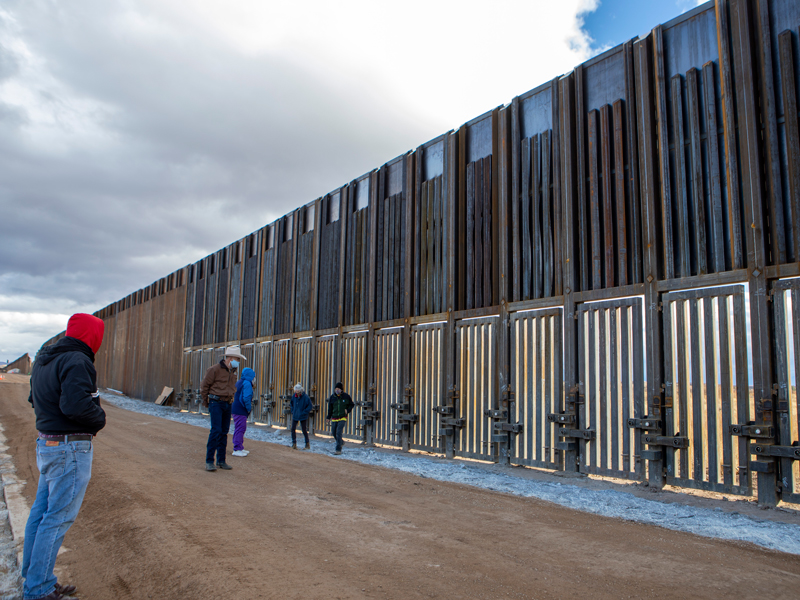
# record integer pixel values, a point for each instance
(239, 453)
(246, 452)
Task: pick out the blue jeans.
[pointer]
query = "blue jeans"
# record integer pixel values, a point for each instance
(220, 413)
(303, 426)
(64, 473)
(337, 429)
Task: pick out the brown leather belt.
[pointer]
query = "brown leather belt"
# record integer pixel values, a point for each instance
(67, 438)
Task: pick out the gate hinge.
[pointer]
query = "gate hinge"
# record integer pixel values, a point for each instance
(444, 410)
(401, 406)
(792, 452)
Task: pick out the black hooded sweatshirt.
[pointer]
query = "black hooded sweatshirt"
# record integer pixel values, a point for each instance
(64, 389)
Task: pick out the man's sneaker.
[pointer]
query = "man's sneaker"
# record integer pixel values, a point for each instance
(224, 466)
(210, 467)
(308, 446)
(239, 453)
(294, 445)
(338, 452)
(246, 452)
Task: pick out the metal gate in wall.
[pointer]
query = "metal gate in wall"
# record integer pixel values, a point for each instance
(707, 388)
(537, 378)
(388, 344)
(428, 381)
(476, 376)
(611, 382)
(786, 309)
(326, 379)
(282, 382)
(353, 377)
(262, 412)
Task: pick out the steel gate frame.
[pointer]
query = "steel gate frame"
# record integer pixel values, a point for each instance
(706, 423)
(599, 381)
(787, 352)
(537, 338)
(476, 352)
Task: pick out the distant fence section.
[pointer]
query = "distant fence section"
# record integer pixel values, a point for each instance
(597, 277)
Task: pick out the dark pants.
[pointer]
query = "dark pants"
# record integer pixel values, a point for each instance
(337, 429)
(303, 426)
(220, 412)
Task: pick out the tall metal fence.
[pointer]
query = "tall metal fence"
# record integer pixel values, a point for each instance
(597, 277)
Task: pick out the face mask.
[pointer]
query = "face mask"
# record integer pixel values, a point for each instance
(235, 364)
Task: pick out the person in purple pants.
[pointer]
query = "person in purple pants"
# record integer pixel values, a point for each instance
(240, 409)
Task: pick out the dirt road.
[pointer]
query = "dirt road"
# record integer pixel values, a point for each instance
(287, 524)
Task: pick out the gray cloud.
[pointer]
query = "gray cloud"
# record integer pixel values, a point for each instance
(129, 148)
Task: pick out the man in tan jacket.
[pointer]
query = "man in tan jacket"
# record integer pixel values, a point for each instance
(216, 392)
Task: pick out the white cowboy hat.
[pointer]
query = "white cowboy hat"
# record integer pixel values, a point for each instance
(234, 352)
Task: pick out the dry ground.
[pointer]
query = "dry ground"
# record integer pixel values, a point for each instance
(287, 524)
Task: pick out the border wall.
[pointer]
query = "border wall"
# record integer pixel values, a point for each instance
(597, 277)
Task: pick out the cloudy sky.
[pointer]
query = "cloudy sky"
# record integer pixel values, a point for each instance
(137, 136)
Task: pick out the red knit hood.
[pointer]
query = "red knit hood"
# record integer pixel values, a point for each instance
(88, 329)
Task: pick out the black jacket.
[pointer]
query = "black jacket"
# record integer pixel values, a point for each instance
(64, 389)
(339, 407)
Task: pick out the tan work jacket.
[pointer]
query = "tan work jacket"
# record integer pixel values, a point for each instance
(219, 381)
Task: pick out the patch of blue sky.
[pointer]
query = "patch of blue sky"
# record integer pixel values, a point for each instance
(616, 21)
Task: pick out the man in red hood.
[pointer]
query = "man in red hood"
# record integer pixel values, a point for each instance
(68, 415)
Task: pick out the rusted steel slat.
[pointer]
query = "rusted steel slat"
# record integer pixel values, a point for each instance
(684, 266)
(517, 184)
(594, 203)
(470, 237)
(725, 389)
(440, 301)
(583, 265)
(437, 258)
(728, 94)
(742, 388)
(620, 196)
(418, 231)
(681, 374)
(698, 198)
(555, 158)
(430, 256)
(631, 153)
(479, 216)
(536, 231)
(663, 144)
(489, 240)
(711, 412)
(626, 351)
(607, 199)
(547, 228)
(792, 135)
(616, 426)
(422, 249)
(525, 219)
(771, 140)
(714, 175)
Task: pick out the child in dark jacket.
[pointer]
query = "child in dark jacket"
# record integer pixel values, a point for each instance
(240, 409)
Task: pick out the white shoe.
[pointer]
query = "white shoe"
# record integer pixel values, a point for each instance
(239, 453)
(246, 452)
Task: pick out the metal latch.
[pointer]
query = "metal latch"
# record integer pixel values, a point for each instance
(659, 440)
(585, 434)
(752, 430)
(644, 423)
